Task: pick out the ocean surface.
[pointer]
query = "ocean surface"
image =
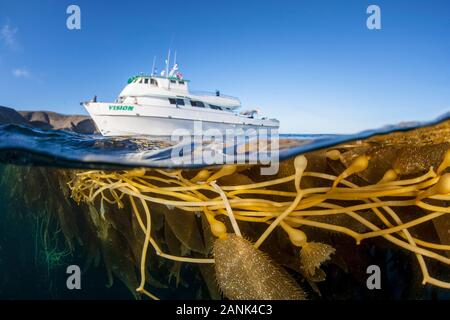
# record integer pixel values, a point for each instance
(27, 145)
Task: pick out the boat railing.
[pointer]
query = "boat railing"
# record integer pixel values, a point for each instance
(212, 94)
(131, 79)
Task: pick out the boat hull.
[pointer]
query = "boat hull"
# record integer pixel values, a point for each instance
(137, 120)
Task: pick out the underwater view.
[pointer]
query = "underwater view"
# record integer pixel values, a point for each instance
(234, 158)
(337, 205)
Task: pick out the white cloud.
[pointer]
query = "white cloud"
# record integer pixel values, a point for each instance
(8, 36)
(21, 73)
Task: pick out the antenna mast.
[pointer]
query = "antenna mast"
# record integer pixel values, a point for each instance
(167, 64)
(153, 67)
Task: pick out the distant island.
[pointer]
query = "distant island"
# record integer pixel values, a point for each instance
(48, 120)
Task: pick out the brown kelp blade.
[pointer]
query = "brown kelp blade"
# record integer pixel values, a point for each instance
(245, 273)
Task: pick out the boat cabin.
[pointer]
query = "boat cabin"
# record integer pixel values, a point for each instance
(176, 91)
(168, 83)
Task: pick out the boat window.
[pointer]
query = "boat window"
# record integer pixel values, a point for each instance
(180, 82)
(215, 107)
(173, 81)
(141, 80)
(197, 104)
(146, 81)
(178, 102)
(153, 81)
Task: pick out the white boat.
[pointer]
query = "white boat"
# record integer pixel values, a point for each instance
(160, 105)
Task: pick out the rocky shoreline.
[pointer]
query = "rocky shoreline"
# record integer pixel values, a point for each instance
(48, 120)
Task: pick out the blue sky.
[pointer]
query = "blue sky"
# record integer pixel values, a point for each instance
(314, 64)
